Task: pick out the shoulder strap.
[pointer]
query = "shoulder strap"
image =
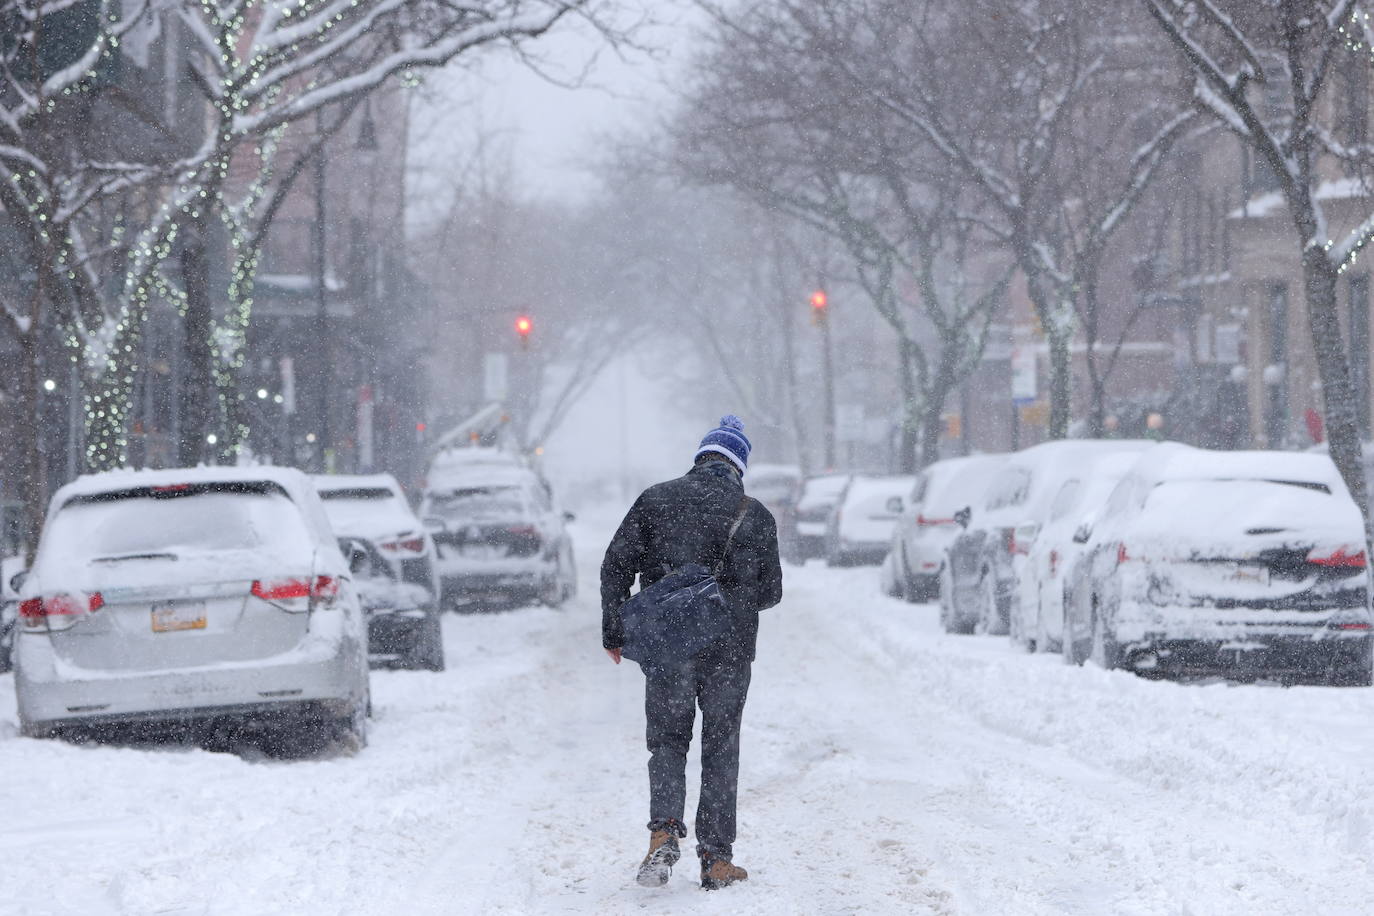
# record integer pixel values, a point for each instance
(719, 567)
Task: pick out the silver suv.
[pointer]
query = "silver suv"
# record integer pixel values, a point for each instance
(183, 599)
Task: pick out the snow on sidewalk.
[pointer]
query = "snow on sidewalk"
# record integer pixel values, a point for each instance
(886, 768)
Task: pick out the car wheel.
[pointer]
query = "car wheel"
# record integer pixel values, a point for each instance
(989, 614)
(352, 728)
(1358, 672)
(431, 655)
(1106, 654)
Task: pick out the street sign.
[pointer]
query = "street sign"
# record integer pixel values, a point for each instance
(495, 376)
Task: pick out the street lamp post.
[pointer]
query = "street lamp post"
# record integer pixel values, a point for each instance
(820, 316)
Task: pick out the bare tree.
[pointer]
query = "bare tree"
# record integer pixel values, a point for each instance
(260, 67)
(1264, 73)
(997, 110)
(773, 119)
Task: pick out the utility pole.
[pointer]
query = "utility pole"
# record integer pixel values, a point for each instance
(322, 308)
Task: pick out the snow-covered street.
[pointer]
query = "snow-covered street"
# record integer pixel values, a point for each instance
(886, 768)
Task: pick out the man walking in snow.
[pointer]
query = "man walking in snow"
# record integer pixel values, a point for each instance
(672, 524)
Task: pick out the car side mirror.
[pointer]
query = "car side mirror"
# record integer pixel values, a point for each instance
(355, 553)
(1084, 532)
(894, 505)
(17, 580)
(569, 517)
(964, 516)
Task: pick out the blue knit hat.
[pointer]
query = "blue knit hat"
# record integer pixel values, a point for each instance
(729, 441)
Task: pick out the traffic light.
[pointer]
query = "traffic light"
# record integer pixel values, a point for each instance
(819, 306)
(523, 326)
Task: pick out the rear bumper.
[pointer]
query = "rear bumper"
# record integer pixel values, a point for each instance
(324, 674)
(1241, 641)
(1294, 658)
(511, 586)
(396, 634)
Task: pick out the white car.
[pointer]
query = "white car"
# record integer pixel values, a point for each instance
(985, 561)
(191, 599)
(1249, 564)
(398, 585)
(817, 499)
(499, 537)
(1061, 541)
(860, 526)
(927, 526)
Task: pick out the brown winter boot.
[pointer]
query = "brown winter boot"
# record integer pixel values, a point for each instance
(717, 873)
(663, 854)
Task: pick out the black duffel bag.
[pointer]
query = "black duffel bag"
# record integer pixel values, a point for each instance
(680, 615)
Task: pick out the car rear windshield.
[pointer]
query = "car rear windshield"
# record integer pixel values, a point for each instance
(478, 501)
(155, 522)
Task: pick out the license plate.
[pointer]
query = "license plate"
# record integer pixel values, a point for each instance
(1253, 575)
(168, 618)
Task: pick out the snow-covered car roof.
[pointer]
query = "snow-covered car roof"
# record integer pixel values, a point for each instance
(469, 456)
(366, 518)
(959, 482)
(759, 471)
(1030, 478)
(824, 489)
(483, 476)
(864, 487)
(1173, 461)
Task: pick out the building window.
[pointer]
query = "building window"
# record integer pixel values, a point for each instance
(1276, 372)
(1359, 349)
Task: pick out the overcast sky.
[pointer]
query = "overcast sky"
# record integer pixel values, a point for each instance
(553, 130)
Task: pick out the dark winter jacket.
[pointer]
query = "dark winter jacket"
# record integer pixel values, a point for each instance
(687, 520)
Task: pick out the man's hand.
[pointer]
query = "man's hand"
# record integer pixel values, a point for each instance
(614, 654)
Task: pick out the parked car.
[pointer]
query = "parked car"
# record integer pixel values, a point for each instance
(397, 584)
(1247, 564)
(1060, 543)
(499, 537)
(927, 526)
(777, 486)
(818, 497)
(978, 585)
(859, 530)
(187, 600)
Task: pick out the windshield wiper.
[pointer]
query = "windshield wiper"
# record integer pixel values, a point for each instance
(151, 555)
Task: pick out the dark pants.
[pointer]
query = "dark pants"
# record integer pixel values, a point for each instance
(719, 682)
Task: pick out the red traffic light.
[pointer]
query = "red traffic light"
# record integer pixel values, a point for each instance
(818, 300)
(523, 326)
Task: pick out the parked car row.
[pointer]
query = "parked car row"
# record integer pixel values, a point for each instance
(1155, 557)
(846, 519)
(253, 600)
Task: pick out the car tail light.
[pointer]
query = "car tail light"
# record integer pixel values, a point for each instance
(59, 611)
(524, 530)
(296, 594)
(412, 545)
(1351, 625)
(930, 522)
(1054, 562)
(1122, 555)
(1342, 557)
